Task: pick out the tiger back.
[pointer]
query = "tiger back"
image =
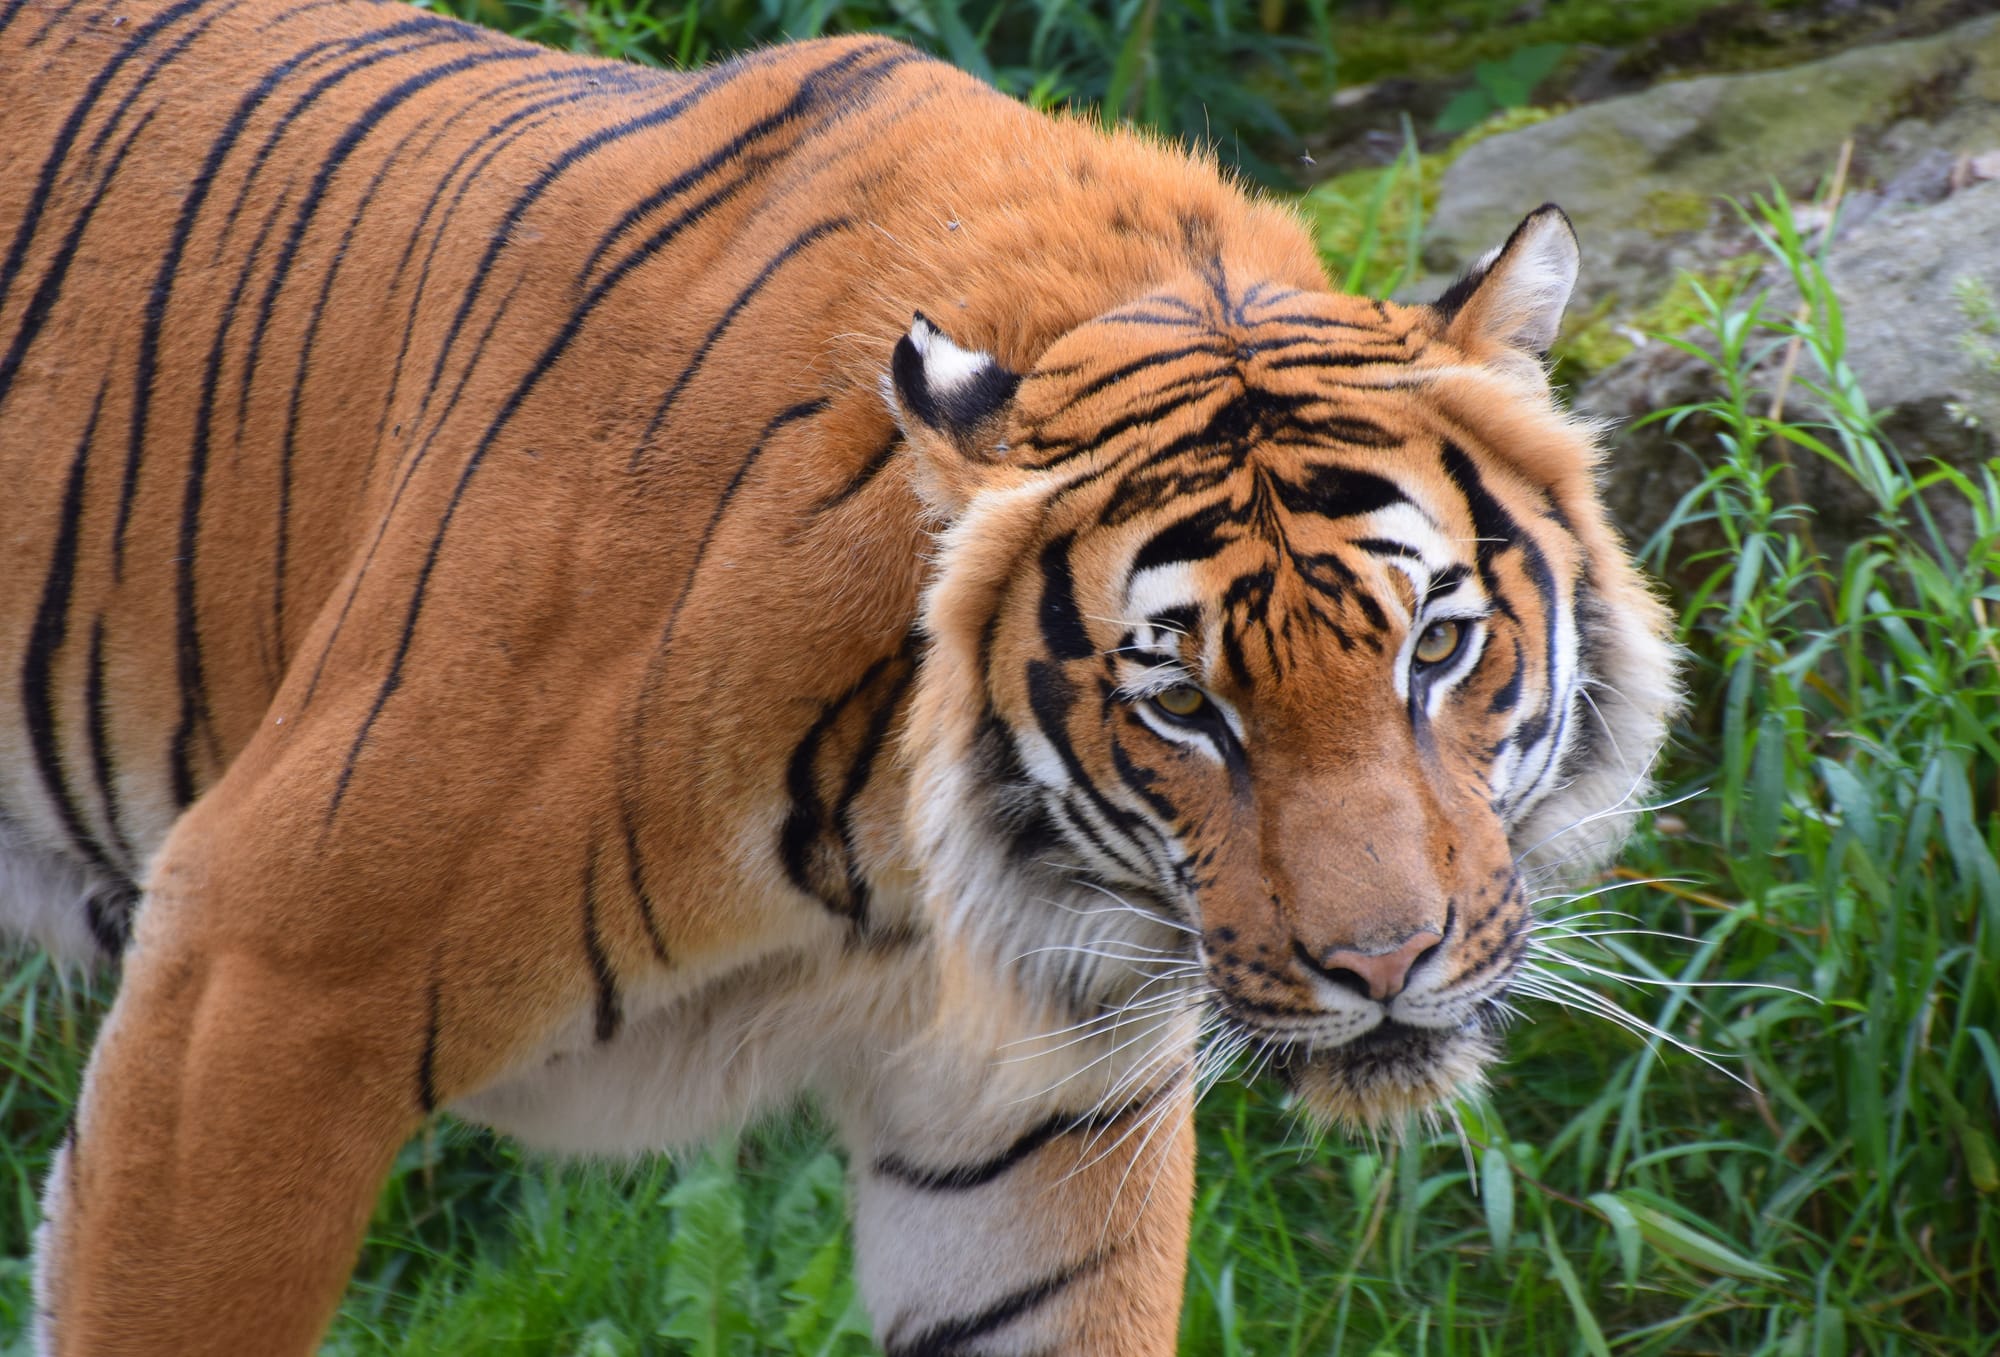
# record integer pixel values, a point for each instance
(607, 599)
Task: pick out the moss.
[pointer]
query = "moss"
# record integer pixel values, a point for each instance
(1669, 211)
(1982, 323)
(1450, 37)
(1506, 120)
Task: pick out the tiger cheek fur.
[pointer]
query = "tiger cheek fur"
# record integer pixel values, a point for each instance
(609, 600)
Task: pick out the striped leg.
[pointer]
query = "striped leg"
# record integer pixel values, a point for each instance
(1068, 1237)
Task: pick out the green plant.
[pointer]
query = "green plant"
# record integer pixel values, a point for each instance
(1178, 66)
(1369, 223)
(1500, 84)
(1981, 337)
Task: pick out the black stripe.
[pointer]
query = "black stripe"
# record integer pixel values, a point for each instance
(427, 1096)
(809, 820)
(157, 299)
(108, 916)
(948, 1338)
(50, 288)
(1497, 531)
(609, 1012)
(1169, 400)
(792, 249)
(1306, 320)
(858, 771)
(495, 141)
(430, 30)
(97, 711)
(504, 231)
(1198, 537)
(393, 679)
(1180, 309)
(527, 384)
(635, 876)
(45, 640)
(289, 445)
(964, 1177)
(646, 250)
(322, 181)
(1508, 693)
(1323, 359)
(812, 91)
(865, 477)
(1213, 347)
(1140, 781)
(58, 156)
(1061, 622)
(161, 292)
(1066, 812)
(388, 515)
(1051, 697)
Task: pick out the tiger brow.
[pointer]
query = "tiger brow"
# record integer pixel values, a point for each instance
(1446, 580)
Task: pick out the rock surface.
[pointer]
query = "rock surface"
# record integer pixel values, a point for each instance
(1899, 276)
(1642, 176)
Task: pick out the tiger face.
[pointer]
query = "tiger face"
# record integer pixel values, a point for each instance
(1277, 629)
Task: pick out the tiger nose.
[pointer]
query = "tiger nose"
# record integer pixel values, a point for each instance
(1377, 975)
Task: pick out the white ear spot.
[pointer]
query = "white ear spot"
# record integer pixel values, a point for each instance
(947, 367)
(944, 387)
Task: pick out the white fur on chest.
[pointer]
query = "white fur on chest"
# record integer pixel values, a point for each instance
(745, 1043)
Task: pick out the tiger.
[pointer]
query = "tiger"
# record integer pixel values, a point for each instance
(657, 595)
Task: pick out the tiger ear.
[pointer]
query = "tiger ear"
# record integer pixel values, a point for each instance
(951, 403)
(1510, 304)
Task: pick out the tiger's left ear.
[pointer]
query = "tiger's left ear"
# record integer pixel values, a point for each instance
(952, 403)
(1510, 304)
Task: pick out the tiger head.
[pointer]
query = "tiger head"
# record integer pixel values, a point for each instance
(1274, 636)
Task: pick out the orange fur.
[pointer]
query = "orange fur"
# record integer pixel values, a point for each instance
(462, 568)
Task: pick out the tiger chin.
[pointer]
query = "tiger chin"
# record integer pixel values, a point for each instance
(610, 601)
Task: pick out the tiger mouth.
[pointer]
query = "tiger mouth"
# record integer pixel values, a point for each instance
(1390, 1071)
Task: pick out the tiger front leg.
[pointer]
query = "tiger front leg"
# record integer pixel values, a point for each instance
(246, 1096)
(234, 1131)
(1065, 1233)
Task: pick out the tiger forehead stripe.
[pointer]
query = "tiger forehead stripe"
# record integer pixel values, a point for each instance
(1203, 354)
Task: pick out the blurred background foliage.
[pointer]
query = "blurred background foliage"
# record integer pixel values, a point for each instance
(1788, 1147)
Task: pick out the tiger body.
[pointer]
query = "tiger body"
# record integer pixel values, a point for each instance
(502, 608)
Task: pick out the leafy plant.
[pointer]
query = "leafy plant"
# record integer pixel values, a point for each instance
(1500, 84)
(1179, 66)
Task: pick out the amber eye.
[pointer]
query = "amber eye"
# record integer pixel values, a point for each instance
(1182, 700)
(1439, 641)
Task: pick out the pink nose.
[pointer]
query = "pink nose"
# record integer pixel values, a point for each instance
(1380, 975)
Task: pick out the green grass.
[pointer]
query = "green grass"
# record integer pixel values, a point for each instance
(1189, 68)
(1832, 1188)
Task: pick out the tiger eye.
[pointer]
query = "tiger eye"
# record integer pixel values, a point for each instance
(1439, 642)
(1183, 700)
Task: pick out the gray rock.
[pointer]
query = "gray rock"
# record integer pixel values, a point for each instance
(1895, 276)
(1641, 176)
